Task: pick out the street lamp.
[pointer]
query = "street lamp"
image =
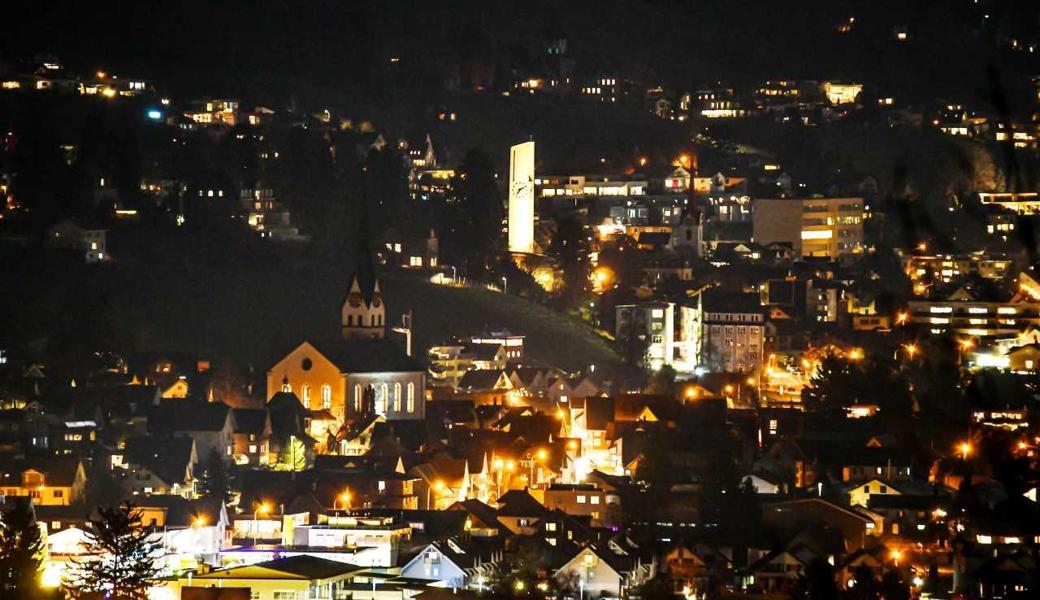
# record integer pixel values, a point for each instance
(505, 285)
(344, 497)
(540, 455)
(963, 346)
(437, 485)
(965, 449)
(263, 509)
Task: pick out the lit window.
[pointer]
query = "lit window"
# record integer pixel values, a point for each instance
(326, 396)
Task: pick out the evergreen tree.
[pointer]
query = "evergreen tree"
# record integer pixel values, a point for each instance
(21, 552)
(833, 386)
(121, 557)
(216, 479)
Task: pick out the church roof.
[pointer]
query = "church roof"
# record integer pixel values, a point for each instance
(364, 272)
(375, 355)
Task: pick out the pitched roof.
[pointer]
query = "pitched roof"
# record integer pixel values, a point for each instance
(181, 512)
(302, 566)
(480, 379)
(167, 457)
(57, 470)
(519, 503)
(377, 355)
(188, 415)
(249, 420)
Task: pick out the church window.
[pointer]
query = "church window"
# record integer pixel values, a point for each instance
(286, 386)
(306, 364)
(305, 393)
(357, 398)
(397, 397)
(326, 396)
(381, 398)
(411, 397)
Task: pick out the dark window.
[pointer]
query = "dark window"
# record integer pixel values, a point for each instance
(306, 364)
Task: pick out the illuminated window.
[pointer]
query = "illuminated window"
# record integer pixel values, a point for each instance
(357, 398)
(410, 407)
(326, 396)
(397, 397)
(305, 393)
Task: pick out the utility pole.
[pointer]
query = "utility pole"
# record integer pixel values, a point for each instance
(406, 328)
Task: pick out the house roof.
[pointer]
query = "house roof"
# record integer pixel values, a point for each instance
(188, 415)
(181, 512)
(57, 470)
(250, 420)
(303, 566)
(480, 379)
(599, 413)
(519, 503)
(167, 457)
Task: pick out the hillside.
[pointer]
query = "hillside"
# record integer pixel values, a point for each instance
(252, 310)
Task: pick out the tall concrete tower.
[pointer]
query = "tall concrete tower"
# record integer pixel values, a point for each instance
(521, 197)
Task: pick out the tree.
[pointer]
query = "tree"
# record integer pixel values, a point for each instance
(293, 456)
(215, 481)
(662, 382)
(473, 230)
(121, 556)
(103, 487)
(818, 582)
(21, 552)
(570, 247)
(833, 386)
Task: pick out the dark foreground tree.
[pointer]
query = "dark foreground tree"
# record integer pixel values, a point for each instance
(216, 478)
(21, 553)
(121, 557)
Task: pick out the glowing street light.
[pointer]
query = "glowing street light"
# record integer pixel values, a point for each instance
(965, 449)
(437, 485)
(263, 509)
(344, 497)
(895, 555)
(902, 318)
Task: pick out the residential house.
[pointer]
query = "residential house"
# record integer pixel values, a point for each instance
(280, 579)
(210, 424)
(47, 481)
(161, 465)
(252, 436)
(602, 574)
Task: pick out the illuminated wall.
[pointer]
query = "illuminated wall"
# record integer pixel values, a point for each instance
(521, 197)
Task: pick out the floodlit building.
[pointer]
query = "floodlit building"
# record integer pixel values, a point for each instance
(521, 198)
(650, 323)
(842, 93)
(814, 227)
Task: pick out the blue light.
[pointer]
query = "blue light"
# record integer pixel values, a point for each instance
(155, 115)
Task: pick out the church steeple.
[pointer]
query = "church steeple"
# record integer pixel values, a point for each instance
(363, 313)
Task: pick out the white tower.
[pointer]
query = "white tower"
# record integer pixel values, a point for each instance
(521, 197)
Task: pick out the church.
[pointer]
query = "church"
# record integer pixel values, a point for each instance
(360, 373)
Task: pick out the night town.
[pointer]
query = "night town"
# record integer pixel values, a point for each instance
(613, 300)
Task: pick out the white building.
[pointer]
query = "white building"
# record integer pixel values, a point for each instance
(521, 198)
